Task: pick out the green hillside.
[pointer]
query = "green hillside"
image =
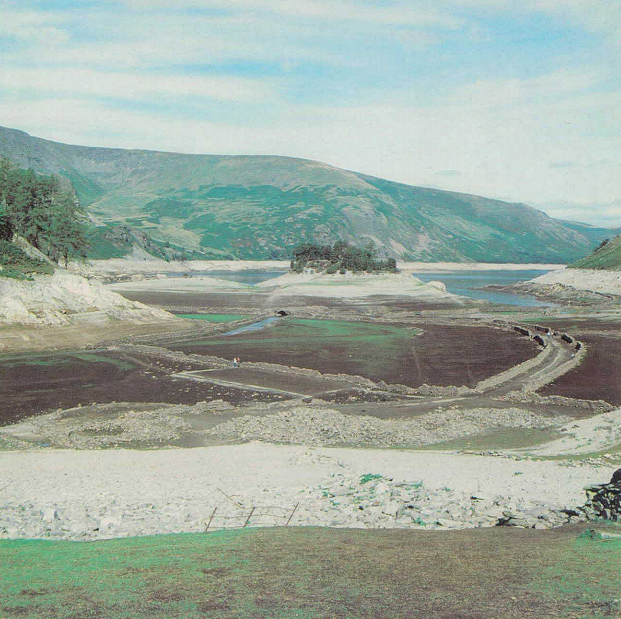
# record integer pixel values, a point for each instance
(261, 207)
(606, 257)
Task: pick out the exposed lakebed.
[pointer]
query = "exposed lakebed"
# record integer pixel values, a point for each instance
(433, 354)
(31, 384)
(439, 355)
(245, 276)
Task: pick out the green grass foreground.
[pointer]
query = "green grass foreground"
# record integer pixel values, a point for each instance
(316, 573)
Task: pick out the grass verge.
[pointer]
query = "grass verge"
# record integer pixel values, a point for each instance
(317, 573)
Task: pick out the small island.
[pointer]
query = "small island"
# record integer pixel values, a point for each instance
(340, 257)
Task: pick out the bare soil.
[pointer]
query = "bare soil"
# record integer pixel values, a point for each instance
(442, 355)
(28, 387)
(597, 377)
(278, 381)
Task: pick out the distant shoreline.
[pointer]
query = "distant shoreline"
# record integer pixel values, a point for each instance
(119, 265)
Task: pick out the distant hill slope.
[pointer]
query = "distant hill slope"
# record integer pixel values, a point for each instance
(260, 207)
(607, 257)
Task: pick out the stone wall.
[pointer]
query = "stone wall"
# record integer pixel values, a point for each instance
(604, 500)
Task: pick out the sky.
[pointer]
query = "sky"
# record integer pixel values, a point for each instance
(512, 99)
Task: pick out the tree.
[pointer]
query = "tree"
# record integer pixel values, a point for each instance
(66, 236)
(340, 257)
(6, 226)
(39, 209)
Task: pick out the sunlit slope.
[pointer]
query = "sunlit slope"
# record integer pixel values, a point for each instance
(606, 258)
(261, 206)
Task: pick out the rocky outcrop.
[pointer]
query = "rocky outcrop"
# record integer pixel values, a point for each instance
(604, 500)
(64, 298)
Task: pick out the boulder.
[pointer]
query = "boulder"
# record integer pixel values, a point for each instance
(438, 285)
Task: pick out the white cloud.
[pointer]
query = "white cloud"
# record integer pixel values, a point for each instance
(499, 152)
(497, 92)
(402, 14)
(596, 15)
(39, 27)
(152, 39)
(136, 86)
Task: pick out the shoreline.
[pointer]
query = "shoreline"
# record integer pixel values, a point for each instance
(120, 265)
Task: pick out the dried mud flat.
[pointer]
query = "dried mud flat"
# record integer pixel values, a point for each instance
(598, 377)
(290, 424)
(33, 384)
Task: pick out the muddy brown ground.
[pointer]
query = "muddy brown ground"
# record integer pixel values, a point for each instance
(598, 377)
(257, 302)
(27, 390)
(442, 355)
(298, 384)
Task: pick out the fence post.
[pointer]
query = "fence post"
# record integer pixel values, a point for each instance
(291, 516)
(249, 517)
(213, 513)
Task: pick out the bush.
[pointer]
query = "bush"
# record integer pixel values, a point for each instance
(16, 263)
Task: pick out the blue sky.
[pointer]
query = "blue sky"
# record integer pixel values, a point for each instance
(513, 99)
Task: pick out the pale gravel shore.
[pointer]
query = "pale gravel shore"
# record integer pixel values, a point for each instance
(476, 266)
(348, 286)
(356, 285)
(66, 298)
(115, 266)
(195, 284)
(61, 493)
(121, 265)
(606, 282)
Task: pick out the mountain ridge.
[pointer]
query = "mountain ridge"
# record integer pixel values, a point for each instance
(261, 206)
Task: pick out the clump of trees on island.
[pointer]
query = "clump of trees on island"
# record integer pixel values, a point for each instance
(340, 258)
(41, 211)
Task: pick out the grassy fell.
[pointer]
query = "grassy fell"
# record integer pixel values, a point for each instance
(317, 573)
(607, 257)
(262, 207)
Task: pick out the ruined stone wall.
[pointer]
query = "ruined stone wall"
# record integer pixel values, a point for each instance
(604, 500)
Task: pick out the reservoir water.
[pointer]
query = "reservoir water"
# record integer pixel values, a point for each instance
(255, 326)
(463, 283)
(468, 284)
(241, 277)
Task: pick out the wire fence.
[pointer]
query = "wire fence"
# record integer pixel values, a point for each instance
(238, 516)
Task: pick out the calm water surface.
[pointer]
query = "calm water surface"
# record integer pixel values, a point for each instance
(467, 283)
(464, 283)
